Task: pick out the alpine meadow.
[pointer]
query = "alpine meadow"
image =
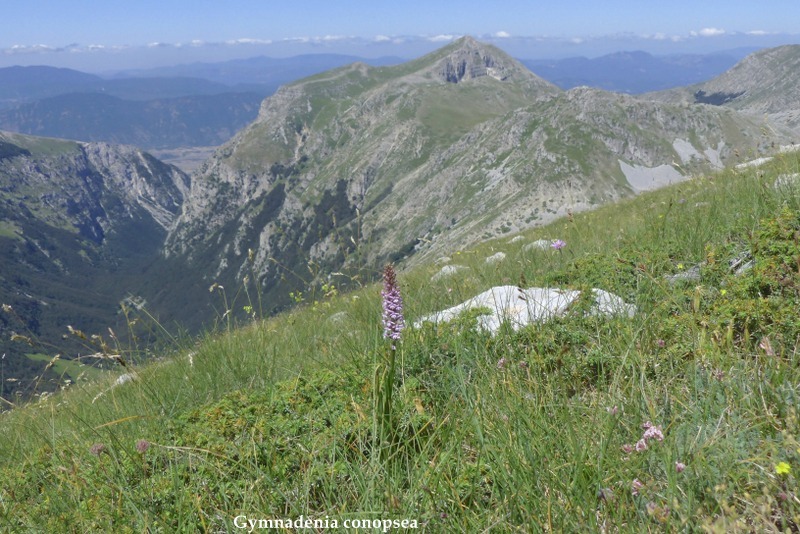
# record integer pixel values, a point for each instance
(443, 295)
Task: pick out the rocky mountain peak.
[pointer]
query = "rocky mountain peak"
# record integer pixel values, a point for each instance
(468, 59)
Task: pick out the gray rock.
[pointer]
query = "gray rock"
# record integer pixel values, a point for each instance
(539, 244)
(692, 274)
(495, 258)
(448, 270)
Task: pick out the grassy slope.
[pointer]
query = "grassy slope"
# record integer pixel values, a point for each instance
(523, 431)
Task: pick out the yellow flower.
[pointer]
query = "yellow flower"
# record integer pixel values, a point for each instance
(680, 266)
(723, 292)
(783, 468)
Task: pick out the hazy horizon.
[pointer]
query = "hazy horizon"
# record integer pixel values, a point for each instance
(106, 37)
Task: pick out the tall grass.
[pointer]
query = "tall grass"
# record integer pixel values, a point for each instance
(540, 429)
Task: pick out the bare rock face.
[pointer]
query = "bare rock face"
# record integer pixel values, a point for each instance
(471, 61)
(92, 186)
(140, 179)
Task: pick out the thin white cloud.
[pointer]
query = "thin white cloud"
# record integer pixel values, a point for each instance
(708, 32)
(24, 49)
(248, 41)
(502, 35)
(757, 32)
(382, 39)
(441, 38)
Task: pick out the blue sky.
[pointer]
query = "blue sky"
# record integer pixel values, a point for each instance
(104, 34)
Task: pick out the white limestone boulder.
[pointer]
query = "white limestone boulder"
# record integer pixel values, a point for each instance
(520, 307)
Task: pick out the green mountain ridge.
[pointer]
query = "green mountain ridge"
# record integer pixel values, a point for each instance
(421, 159)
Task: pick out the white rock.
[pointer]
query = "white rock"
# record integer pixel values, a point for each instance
(520, 307)
(539, 244)
(448, 270)
(753, 163)
(496, 258)
(121, 379)
(786, 180)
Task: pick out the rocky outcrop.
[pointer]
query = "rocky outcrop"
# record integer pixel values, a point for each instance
(92, 187)
(472, 60)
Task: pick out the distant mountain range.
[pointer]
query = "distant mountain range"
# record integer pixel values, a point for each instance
(343, 171)
(22, 85)
(185, 121)
(635, 72)
(160, 108)
(264, 72)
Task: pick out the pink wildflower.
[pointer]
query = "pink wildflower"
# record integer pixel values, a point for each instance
(680, 466)
(393, 321)
(641, 445)
(654, 432)
(636, 485)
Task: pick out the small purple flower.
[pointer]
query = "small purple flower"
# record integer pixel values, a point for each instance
(558, 244)
(501, 363)
(627, 448)
(142, 445)
(613, 410)
(661, 343)
(97, 449)
(393, 321)
(641, 445)
(679, 467)
(636, 485)
(654, 432)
